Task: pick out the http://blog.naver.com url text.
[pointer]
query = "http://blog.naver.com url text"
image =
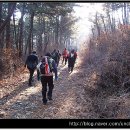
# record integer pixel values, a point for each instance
(98, 124)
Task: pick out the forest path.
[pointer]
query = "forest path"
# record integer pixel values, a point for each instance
(19, 101)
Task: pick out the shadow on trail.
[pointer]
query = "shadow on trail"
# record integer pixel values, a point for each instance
(31, 106)
(25, 108)
(26, 102)
(15, 92)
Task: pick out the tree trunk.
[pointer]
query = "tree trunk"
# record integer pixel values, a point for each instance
(30, 34)
(110, 23)
(97, 25)
(57, 29)
(21, 32)
(32, 41)
(125, 14)
(15, 38)
(0, 23)
(104, 24)
(12, 8)
(41, 22)
(8, 44)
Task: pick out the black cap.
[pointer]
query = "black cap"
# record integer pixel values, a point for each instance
(34, 52)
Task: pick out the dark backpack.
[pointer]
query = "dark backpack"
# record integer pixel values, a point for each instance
(54, 55)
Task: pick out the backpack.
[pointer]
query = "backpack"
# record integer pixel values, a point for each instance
(46, 66)
(53, 54)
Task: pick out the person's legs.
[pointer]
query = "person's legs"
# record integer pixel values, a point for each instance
(38, 75)
(65, 60)
(31, 71)
(56, 76)
(69, 64)
(51, 86)
(44, 88)
(72, 66)
(69, 67)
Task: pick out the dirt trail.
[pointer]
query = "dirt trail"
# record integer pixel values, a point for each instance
(69, 98)
(75, 96)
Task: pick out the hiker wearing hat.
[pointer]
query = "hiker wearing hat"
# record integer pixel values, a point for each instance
(31, 63)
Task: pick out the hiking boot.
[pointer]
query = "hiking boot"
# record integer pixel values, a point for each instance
(56, 78)
(50, 98)
(44, 103)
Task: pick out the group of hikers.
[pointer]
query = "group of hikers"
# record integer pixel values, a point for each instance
(46, 66)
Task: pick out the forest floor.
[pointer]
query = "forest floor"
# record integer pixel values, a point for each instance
(18, 100)
(75, 96)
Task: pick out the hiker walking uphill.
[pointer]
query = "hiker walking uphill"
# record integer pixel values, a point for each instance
(46, 67)
(71, 60)
(54, 55)
(64, 54)
(31, 63)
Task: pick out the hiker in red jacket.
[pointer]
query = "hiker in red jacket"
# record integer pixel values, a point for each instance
(64, 54)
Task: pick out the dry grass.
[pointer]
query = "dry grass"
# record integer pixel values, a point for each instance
(109, 57)
(10, 63)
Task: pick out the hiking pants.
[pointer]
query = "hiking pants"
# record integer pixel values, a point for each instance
(71, 65)
(58, 61)
(47, 81)
(64, 59)
(56, 76)
(31, 71)
(38, 75)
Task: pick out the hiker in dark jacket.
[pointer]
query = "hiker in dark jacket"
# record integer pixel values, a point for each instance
(54, 55)
(71, 60)
(31, 63)
(47, 76)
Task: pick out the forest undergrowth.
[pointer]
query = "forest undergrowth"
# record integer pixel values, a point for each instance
(108, 59)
